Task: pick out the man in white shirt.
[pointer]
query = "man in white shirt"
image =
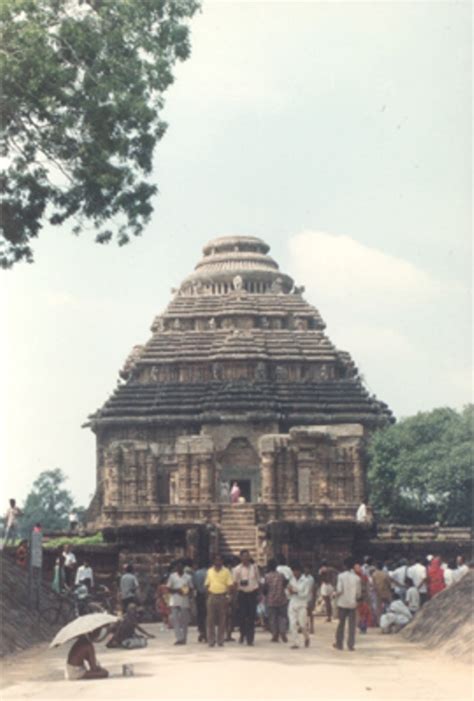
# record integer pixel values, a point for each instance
(298, 591)
(180, 584)
(85, 575)
(398, 577)
(417, 574)
(246, 582)
(348, 592)
(70, 564)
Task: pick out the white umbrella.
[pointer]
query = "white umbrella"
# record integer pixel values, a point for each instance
(81, 626)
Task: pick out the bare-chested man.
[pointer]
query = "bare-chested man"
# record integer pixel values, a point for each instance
(82, 662)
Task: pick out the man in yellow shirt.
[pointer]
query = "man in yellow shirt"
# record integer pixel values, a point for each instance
(218, 583)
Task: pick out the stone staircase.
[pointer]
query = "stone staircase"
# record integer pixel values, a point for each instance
(238, 530)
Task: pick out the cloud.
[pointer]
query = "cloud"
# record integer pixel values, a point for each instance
(337, 267)
(379, 307)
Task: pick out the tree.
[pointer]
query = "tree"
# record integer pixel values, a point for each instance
(420, 470)
(83, 84)
(48, 502)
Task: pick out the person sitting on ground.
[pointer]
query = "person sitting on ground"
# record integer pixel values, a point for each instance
(397, 616)
(413, 598)
(81, 660)
(124, 633)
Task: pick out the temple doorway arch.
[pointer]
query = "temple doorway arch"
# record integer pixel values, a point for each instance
(239, 463)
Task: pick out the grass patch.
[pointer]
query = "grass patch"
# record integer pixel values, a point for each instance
(52, 543)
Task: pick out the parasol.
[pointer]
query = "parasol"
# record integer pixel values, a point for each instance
(81, 626)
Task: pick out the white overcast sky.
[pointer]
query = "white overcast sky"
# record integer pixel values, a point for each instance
(337, 131)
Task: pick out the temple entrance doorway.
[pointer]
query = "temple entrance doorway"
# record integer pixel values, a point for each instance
(245, 486)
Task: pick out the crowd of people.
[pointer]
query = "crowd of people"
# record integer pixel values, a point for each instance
(283, 599)
(237, 594)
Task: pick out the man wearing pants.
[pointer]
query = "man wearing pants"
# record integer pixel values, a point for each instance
(180, 584)
(199, 577)
(218, 583)
(299, 590)
(246, 580)
(348, 592)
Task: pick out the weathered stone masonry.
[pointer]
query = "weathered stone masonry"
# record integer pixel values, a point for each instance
(237, 382)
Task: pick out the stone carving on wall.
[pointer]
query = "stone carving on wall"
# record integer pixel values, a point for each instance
(281, 373)
(238, 283)
(128, 369)
(277, 286)
(158, 324)
(212, 324)
(298, 290)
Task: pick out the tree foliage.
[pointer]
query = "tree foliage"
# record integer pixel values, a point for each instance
(83, 84)
(48, 502)
(420, 469)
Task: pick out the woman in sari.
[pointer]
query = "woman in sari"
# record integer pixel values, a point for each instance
(57, 584)
(364, 617)
(162, 604)
(436, 581)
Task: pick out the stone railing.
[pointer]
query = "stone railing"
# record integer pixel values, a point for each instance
(404, 532)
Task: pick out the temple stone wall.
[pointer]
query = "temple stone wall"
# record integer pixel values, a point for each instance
(238, 381)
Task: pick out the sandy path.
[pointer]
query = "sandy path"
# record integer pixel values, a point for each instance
(383, 668)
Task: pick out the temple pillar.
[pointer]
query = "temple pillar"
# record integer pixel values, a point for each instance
(151, 478)
(206, 479)
(182, 478)
(292, 482)
(194, 480)
(358, 472)
(195, 458)
(267, 466)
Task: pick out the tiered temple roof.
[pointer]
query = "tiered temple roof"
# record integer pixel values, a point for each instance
(239, 340)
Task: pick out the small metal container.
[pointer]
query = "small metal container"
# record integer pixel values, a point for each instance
(127, 670)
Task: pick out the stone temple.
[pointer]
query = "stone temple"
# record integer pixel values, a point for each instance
(238, 382)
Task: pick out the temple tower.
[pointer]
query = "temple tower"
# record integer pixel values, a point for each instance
(238, 382)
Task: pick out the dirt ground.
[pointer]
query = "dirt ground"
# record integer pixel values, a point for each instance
(383, 668)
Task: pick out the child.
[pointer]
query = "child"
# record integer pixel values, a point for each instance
(412, 597)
